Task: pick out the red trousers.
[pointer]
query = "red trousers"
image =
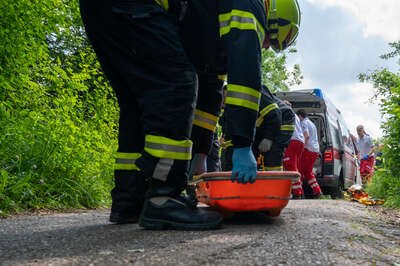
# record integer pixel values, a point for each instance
(367, 169)
(291, 162)
(306, 169)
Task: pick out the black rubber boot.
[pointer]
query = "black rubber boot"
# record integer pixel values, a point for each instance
(127, 197)
(164, 208)
(160, 213)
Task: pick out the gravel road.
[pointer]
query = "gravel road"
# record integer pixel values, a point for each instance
(308, 232)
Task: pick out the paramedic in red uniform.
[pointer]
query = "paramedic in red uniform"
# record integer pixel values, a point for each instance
(366, 153)
(310, 152)
(291, 159)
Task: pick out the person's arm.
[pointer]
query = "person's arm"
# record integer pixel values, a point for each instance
(242, 41)
(242, 31)
(305, 131)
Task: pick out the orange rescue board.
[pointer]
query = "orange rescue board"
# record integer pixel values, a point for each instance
(270, 192)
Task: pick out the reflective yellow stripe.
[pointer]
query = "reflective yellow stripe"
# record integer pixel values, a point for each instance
(163, 147)
(242, 96)
(163, 3)
(222, 77)
(241, 20)
(264, 112)
(273, 168)
(205, 120)
(227, 144)
(126, 161)
(287, 127)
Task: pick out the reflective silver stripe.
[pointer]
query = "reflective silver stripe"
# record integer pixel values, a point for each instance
(162, 169)
(243, 96)
(205, 120)
(125, 161)
(238, 19)
(166, 147)
(242, 20)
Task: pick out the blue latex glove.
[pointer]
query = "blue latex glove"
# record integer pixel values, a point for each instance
(365, 157)
(244, 167)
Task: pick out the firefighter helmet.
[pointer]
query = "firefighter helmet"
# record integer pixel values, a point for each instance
(283, 22)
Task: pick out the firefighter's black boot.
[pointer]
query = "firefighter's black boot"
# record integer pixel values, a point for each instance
(127, 197)
(163, 209)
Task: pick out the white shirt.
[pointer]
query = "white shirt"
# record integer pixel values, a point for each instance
(364, 145)
(312, 142)
(298, 132)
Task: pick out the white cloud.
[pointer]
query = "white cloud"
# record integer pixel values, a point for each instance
(378, 18)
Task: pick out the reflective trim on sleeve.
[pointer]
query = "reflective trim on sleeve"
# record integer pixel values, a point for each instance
(264, 112)
(205, 120)
(273, 168)
(126, 161)
(223, 77)
(287, 127)
(163, 3)
(243, 96)
(163, 147)
(241, 20)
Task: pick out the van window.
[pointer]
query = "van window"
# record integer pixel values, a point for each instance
(333, 129)
(318, 121)
(344, 131)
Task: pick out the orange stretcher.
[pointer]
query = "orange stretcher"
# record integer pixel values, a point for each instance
(270, 192)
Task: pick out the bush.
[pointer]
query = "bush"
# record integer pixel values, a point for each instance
(386, 183)
(58, 115)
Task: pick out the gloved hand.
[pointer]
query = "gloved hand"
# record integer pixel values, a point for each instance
(244, 167)
(365, 157)
(265, 145)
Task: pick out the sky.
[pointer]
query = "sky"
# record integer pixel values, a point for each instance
(340, 39)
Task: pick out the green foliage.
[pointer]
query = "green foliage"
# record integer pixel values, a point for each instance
(58, 116)
(275, 73)
(386, 184)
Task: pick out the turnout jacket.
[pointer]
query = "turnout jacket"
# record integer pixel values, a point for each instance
(242, 27)
(275, 120)
(268, 124)
(226, 37)
(223, 37)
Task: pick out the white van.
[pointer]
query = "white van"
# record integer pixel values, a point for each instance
(336, 168)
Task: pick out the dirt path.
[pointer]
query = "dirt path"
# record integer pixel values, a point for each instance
(308, 232)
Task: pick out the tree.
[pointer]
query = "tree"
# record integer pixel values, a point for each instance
(386, 183)
(275, 73)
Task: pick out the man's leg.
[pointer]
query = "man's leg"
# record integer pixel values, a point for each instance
(130, 186)
(290, 163)
(307, 163)
(143, 47)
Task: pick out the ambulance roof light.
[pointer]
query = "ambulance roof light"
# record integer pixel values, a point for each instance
(318, 92)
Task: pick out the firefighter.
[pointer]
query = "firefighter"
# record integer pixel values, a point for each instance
(310, 153)
(140, 51)
(243, 31)
(275, 125)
